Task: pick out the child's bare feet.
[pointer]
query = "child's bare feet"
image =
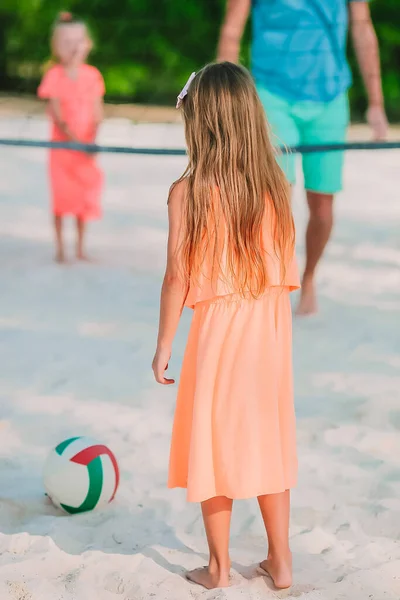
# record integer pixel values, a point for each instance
(279, 570)
(81, 255)
(60, 257)
(209, 580)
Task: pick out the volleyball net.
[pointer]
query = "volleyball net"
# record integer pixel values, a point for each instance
(97, 148)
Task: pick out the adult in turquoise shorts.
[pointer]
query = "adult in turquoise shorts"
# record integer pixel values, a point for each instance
(302, 75)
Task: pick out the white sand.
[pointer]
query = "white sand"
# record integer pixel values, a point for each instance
(76, 345)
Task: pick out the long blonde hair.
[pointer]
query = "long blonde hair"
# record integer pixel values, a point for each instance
(230, 151)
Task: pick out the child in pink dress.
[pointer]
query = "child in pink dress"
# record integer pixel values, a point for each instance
(231, 259)
(74, 91)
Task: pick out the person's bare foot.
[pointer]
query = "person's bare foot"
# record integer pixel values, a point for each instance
(308, 299)
(80, 255)
(207, 579)
(60, 257)
(280, 571)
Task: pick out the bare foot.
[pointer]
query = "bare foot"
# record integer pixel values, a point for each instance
(84, 257)
(308, 299)
(280, 571)
(60, 258)
(208, 580)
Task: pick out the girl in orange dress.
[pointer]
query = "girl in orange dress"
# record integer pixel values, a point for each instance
(231, 259)
(74, 91)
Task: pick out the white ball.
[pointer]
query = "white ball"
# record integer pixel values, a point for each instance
(81, 474)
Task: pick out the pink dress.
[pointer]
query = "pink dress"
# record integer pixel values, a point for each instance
(75, 178)
(234, 428)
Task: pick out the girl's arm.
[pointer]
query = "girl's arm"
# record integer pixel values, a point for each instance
(55, 110)
(174, 289)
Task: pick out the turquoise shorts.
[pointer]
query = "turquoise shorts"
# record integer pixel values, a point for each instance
(306, 122)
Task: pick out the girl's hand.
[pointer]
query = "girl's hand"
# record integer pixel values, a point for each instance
(160, 365)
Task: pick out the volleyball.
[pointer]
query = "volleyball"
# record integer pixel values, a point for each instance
(81, 474)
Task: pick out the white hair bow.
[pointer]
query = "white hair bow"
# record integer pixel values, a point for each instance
(184, 90)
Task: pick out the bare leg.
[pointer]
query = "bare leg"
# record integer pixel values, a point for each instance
(80, 230)
(275, 510)
(318, 233)
(217, 519)
(60, 255)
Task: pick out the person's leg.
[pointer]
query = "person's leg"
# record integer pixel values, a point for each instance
(80, 239)
(275, 510)
(217, 519)
(323, 178)
(58, 228)
(318, 232)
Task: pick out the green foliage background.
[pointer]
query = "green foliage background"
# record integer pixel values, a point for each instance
(146, 48)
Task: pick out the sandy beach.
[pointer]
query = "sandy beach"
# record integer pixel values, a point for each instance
(76, 345)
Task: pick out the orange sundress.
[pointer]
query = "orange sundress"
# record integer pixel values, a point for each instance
(76, 180)
(234, 427)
